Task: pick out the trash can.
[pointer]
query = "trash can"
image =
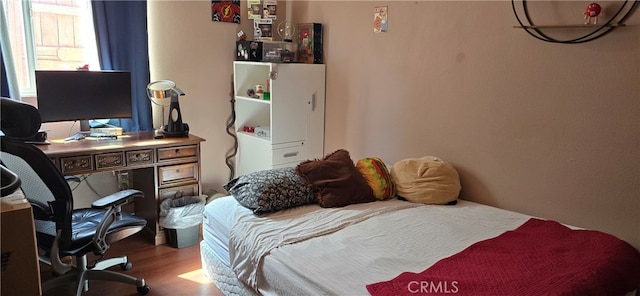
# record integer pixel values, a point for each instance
(181, 219)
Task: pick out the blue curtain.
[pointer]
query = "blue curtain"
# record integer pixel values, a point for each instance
(4, 83)
(121, 33)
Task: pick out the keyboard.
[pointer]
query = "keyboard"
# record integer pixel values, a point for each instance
(74, 137)
(102, 135)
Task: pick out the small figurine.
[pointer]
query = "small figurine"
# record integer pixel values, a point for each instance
(592, 12)
(242, 35)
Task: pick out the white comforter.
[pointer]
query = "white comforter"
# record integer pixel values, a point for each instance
(253, 237)
(301, 251)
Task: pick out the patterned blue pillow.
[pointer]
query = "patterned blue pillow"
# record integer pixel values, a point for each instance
(271, 190)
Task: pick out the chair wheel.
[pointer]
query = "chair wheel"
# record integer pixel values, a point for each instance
(143, 290)
(126, 266)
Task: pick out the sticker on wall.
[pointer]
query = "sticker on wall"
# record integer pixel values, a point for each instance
(380, 19)
(227, 11)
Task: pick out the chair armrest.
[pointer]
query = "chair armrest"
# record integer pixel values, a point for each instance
(72, 179)
(117, 199)
(10, 181)
(112, 205)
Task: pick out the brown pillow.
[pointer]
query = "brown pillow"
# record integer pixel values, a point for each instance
(337, 180)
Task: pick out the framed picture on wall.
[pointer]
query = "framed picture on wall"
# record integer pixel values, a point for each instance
(225, 11)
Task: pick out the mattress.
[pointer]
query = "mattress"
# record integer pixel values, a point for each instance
(311, 250)
(221, 274)
(392, 253)
(219, 217)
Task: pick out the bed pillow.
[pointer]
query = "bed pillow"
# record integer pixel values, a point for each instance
(336, 179)
(377, 174)
(270, 190)
(428, 180)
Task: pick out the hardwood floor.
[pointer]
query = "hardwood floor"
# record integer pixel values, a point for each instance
(167, 270)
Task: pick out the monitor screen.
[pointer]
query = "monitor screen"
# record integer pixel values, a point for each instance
(83, 95)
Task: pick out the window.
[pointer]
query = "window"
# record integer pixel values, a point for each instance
(49, 35)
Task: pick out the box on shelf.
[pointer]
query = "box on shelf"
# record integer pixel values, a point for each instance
(265, 51)
(309, 43)
(248, 50)
(278, 51)
(262, 131)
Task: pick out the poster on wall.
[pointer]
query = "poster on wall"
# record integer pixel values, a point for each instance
(380, 19)
(227, 11)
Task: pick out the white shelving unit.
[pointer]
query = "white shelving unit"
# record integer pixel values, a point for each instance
(294, 114)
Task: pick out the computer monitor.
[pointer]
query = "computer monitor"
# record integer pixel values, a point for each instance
(83, 95)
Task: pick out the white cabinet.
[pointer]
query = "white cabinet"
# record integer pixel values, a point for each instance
(293, 115)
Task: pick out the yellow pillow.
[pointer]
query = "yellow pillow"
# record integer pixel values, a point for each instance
(378, 177)
(428, 180)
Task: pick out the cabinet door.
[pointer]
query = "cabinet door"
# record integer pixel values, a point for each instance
(315, 114)
(254, 154)
(291, 94)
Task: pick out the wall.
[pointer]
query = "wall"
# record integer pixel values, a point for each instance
(545, 129)
(196, 53)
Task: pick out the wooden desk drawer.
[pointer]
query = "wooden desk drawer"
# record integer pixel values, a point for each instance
(139, 157)
(178, 192)
(181, 173)
(177, 152)
(76, 164)
(109, 160)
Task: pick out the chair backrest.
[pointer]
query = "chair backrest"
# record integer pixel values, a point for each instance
(41, 182)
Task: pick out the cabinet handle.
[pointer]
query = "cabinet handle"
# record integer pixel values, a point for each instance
(313, 102)
(290, 154)
(177, 151)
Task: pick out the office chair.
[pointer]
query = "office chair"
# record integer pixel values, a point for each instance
(60, 230)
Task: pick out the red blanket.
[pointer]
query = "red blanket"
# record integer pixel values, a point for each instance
(538, 258)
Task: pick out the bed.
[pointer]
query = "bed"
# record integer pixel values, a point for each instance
(374, 242)
(324, 228)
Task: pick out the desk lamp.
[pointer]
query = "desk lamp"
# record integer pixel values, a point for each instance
(165, 93)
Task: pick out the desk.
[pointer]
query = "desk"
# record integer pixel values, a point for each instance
(161, 168)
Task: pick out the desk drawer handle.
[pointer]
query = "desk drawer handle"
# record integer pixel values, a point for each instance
(177, 151)
(290, 154)
(178, 171)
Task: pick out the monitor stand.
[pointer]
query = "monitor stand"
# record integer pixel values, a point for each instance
(100, 130)
(84, 125)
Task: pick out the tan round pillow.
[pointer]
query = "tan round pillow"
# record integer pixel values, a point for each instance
(428, 180)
